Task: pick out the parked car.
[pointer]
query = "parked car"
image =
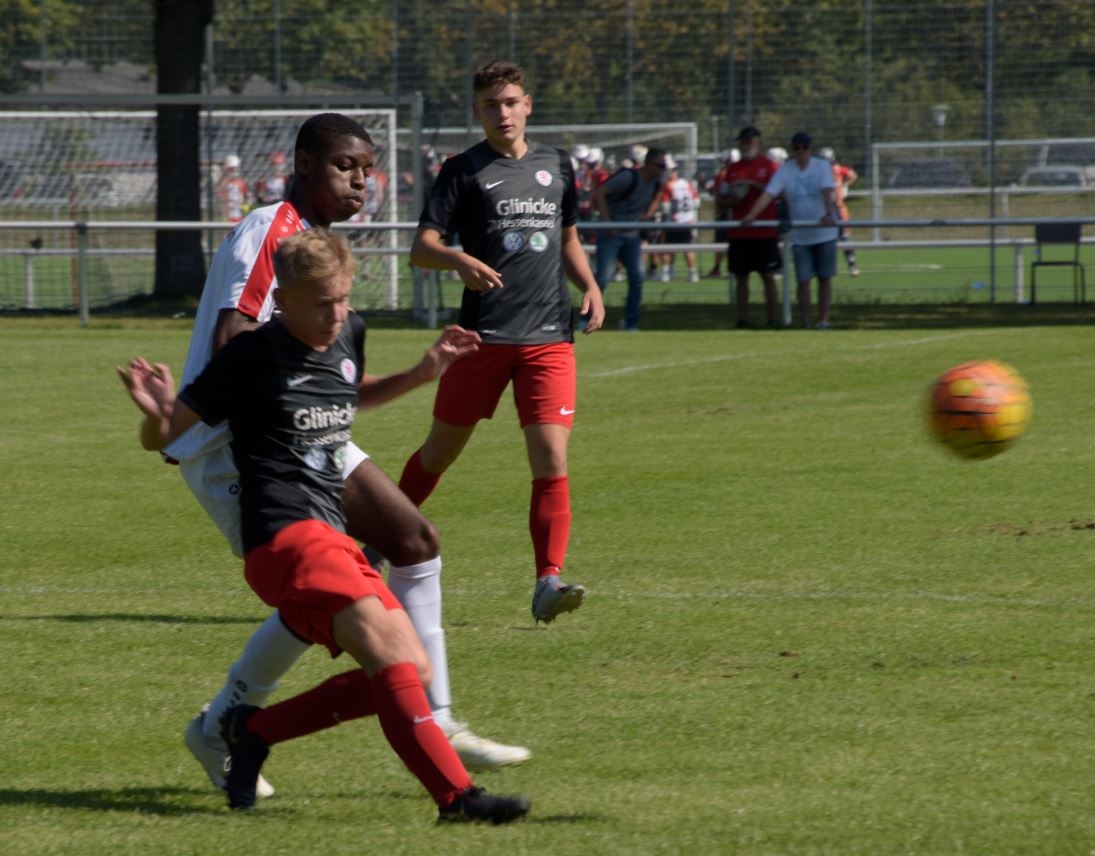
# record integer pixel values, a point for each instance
(933, 174)
(1055, 176)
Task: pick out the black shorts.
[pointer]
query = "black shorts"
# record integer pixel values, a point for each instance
(677, 236)
(747, 255)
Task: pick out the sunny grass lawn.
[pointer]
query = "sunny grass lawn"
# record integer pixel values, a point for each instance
(809, 630)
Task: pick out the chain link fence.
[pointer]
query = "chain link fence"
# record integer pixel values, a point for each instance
(961, 109)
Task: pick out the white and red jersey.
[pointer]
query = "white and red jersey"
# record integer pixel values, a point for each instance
(683, 200)
(240, 277)
(234, 194)
(843, 177)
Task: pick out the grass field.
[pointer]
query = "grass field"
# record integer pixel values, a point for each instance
(809, 629)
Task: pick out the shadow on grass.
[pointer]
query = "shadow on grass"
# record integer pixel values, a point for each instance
(127, 617)
(162, 801)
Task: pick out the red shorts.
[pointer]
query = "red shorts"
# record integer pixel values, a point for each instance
(544, 385)
(309, 572)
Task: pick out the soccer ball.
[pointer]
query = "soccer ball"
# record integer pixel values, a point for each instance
(979, 409)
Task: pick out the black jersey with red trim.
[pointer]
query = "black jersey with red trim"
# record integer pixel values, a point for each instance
(290, 409)
(510, 214)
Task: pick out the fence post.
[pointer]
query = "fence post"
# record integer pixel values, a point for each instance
(28, 278)
(785, 250)
(81, 273)
(434, 286)
(1018, 246)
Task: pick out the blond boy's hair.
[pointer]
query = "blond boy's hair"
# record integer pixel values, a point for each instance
(315, 255)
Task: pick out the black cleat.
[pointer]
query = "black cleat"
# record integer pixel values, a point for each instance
(474, 805)
(246, 753)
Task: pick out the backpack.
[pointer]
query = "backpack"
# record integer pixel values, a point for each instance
(633, 184)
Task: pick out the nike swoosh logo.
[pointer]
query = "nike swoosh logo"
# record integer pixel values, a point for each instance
(565, 412)
(298, 380)
(418, 720)
(490, 185)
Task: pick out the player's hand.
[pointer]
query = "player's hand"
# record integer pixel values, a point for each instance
(593, 310)
(453, 344)
(151, 387)
(478, 276)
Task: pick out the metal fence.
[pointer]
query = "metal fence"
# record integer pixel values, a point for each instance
(80, 274)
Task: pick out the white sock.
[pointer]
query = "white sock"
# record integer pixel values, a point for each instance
(269, 653)
(418, 588)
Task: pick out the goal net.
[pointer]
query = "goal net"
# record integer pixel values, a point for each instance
(80, 165)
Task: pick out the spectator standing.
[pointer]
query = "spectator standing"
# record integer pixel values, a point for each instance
(632, 194)
(806, 184)
(752, 248)
(232, 190)
(844, 177)
(271, 188)
(680, 207)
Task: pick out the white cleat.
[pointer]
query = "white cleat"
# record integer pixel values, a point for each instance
(553, 597)
(478, 753)
(213, 756)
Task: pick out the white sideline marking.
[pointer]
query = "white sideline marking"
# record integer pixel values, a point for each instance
(972, 599)
(722, 358)
(624, 595)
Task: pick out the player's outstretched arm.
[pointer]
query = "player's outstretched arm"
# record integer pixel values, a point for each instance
(429, 251)
(152, 389)
(454, 343)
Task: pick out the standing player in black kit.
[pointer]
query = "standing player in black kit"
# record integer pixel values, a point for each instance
(513, 207)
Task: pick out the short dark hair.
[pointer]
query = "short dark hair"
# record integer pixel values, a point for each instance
(498, 72)
(654, 153)
(319, 133)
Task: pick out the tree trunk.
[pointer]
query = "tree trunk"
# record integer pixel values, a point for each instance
(179, 44)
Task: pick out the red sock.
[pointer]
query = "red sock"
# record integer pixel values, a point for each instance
(408, 724)
(416, 482)
(338, 699)
(549, 523)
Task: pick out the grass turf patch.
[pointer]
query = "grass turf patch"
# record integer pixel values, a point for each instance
(809, 629)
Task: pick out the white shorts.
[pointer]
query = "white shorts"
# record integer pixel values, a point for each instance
(215, 483)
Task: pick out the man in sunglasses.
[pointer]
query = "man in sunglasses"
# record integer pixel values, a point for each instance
(806, 184)
(628, 196)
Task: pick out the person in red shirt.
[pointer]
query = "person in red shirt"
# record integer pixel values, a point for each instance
(752, 248)
(844, 177)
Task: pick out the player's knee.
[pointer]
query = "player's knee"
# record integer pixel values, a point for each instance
(425, 670)
(415, 544)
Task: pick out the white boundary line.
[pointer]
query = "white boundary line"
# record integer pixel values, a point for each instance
(912, 596)
(722, 358)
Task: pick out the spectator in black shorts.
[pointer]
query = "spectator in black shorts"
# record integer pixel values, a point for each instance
(752, 248)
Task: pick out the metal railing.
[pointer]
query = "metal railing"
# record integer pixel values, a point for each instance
(425, 283)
